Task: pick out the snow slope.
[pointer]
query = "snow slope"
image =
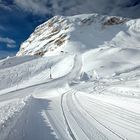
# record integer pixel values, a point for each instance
(77, 34)
(75, 78)
(96, 37)
(30, 70)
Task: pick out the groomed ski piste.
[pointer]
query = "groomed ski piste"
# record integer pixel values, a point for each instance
(83, 94)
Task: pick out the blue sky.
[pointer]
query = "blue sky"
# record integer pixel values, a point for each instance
(17, 23)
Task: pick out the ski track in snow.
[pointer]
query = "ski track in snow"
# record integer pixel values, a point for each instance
(82, 121)
(71, 115)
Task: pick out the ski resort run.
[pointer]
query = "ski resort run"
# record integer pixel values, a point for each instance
(74, 78)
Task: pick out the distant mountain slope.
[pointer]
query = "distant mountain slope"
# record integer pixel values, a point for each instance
(108, 44)
(4, 54)
(80, 34)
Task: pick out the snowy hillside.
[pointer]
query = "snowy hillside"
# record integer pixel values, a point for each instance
(81, 33)
(97, 38)
(75, 78)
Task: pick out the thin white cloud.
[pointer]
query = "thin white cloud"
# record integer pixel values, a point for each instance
(34, 6)
(2, 28)
(5, 7)
(10, 43)
(7, 40)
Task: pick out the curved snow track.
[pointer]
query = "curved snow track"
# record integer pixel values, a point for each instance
(72, 116)
(88, 118)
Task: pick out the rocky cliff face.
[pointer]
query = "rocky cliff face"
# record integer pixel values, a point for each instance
(75, 34)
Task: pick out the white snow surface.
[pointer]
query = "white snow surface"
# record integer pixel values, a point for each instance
(84, 88)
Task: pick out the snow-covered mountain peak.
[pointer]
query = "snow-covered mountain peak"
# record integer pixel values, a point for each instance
(107, 44)
(70, 34)
(89, 88)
